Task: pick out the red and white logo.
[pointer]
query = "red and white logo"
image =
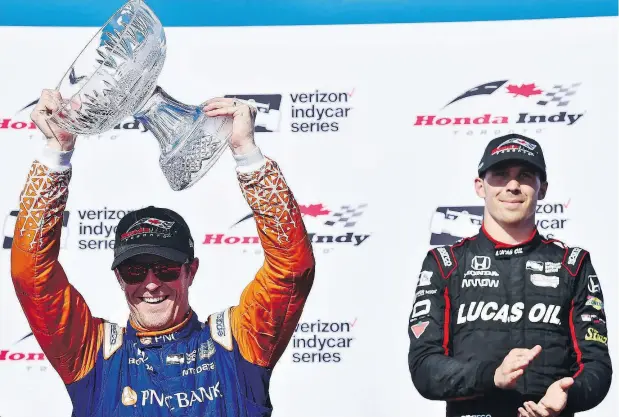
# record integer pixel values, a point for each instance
(148, 226)
(509, 104)
(521, 142)
(419, 328)
(327, 223)
(156, 222)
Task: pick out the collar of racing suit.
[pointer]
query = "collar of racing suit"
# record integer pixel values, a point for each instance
(159, 338)
(504, 250)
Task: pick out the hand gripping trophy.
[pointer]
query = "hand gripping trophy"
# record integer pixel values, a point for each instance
(115, 76)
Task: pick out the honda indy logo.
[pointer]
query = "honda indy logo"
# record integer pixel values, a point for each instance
(514, 103)
(325, 220)
(539, 313)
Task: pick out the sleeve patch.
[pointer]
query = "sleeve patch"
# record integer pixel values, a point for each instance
(112, 339)
(221, 330)
(573, 259)
(446, 260)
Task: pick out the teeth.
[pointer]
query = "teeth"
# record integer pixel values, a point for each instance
(153, 300)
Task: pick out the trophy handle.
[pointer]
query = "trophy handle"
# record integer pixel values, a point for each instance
(190, 142)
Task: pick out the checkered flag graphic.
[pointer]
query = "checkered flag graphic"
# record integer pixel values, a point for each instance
(347, 216)
(559, 94)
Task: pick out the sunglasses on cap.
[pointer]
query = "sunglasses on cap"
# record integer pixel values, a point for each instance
(136, 272)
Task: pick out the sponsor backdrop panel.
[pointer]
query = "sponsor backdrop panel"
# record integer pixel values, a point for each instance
(378, 130)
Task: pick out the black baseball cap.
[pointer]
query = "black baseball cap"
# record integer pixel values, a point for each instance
(513, 147)
(154, 231)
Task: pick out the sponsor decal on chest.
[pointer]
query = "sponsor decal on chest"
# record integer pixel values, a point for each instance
(502, 253)
(480, 267)
(506, 313)
(546, 267)
(540, 280)
(177, 400)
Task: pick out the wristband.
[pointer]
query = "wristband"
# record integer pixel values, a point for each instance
(56, 160)
(250, 161)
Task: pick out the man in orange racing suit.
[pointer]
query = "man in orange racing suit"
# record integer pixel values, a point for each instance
(165, 361)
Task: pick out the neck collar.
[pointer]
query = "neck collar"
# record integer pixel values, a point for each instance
(161, 337)
(506, 250)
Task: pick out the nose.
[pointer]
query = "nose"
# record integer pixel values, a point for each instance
(513, 186)
(151, 282)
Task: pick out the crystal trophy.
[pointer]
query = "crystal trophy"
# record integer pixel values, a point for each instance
(115, 77)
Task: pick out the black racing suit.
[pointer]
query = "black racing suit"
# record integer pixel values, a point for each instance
(478, 299)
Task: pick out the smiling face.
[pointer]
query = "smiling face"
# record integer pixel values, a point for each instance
(156, 289)
(511, 192)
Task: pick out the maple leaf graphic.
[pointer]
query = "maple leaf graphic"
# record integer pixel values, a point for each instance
(525, 90)
(313, 210)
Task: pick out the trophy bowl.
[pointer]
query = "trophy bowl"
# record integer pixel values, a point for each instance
(115, 77)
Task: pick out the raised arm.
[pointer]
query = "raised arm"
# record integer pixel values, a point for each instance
(271, 305)
(58, 315)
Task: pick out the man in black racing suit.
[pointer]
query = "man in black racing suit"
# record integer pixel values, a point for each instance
(507, 322)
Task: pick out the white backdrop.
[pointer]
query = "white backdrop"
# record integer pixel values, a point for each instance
(399, 174)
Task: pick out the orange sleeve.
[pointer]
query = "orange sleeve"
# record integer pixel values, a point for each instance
(58, 315)
(272, 303)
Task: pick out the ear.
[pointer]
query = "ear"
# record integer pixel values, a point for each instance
(479, 188)
(193, 268)
(542, 190)
(122, 283)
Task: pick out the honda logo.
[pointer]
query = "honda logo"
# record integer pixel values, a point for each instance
(480, 263)
(593, 287)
